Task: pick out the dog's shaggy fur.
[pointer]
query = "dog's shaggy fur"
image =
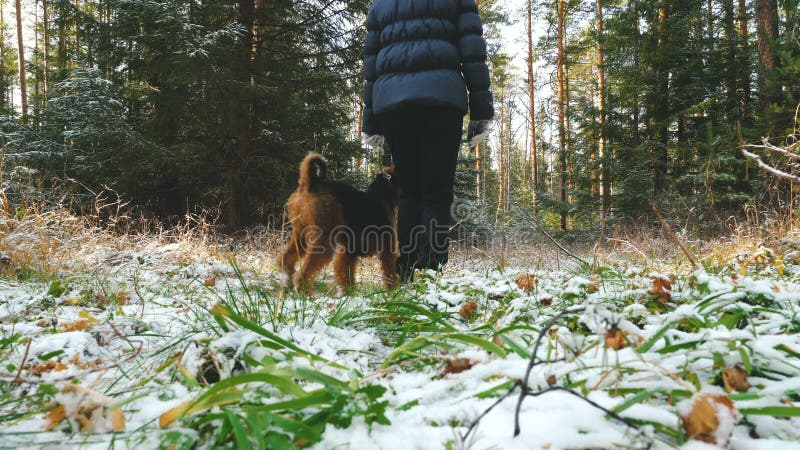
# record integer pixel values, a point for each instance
(331, 220)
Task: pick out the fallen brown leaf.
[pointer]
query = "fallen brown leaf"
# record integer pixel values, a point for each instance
(457, 365)
(735, 379)
(661, 288)
(89, 409)
(526, 281)
(594, 286)
(117, 420)
(77, 325)
(48, 366)
(616, 339)
(469, 311)
(210, 282)
(709, 412)
(55, 417)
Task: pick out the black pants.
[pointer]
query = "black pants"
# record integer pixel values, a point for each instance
(424, 142)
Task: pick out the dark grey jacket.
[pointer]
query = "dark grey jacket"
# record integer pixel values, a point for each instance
(425, 52)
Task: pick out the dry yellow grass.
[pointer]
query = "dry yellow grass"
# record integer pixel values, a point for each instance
(46, 243)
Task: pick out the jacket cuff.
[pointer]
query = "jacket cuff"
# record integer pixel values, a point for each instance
(368, 124)
(481, 105)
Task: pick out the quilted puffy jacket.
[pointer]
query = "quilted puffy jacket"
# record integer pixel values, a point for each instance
(425, 52)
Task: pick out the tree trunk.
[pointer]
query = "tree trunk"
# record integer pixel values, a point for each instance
(605, 179)
(240, 209)
(4, 98)
(36, 79)
(77, 28)
(710, 20)
(767, 19)
(744, 60)
(660, 106)
(478, 172)
(637, 71)
(46, 51)
(23, 88)
(532, 104)
(478, 154)
(62, 56)
(562, 132)
(731, 66)
(501, 193)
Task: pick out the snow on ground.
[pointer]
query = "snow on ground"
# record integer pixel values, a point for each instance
(140, 327)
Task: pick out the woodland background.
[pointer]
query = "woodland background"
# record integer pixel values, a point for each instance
(184, 106)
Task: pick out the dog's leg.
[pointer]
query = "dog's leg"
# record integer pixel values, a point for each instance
(344, 269)
(388, 260)
(313, 262)
(288, 259)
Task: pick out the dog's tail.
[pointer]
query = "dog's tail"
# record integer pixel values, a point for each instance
(312, 169)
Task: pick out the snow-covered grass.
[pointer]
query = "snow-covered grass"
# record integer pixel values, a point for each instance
(186, 340)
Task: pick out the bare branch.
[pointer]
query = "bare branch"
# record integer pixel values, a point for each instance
(787, 152)
(767, 168)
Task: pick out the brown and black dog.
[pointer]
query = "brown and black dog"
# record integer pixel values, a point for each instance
(331, 220)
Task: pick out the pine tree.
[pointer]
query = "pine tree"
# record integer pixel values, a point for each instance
(23, 89)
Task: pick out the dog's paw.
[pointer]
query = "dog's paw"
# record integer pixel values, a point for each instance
(301, 286)
(391, 283)
(283, 279)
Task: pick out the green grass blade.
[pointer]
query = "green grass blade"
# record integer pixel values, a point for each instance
(242, 442)
(504, 386)
(319, 397)
(648, 344)
(518, 349)
(489, 346)
(283, 383)
(220, 310)
(774, 411)
(641, 397)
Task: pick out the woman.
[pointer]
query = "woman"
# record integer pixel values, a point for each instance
(425, 68)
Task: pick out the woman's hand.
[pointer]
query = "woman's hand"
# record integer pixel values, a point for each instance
(478, 131)
(376, 142)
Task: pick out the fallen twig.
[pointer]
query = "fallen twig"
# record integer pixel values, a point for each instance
(18, 378)
(532, 362)
(525, 389)
(594, 404)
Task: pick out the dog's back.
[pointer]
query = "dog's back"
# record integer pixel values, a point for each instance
(325, 214)
(354, 209)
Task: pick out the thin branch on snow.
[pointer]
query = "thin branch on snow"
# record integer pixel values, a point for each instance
(594, 404)
(525, 389)
(532, 362)
(18, 378)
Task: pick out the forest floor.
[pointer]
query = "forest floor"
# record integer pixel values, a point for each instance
(185, 339)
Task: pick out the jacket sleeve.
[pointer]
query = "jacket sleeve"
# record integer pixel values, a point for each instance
(371, 48)
(472, 51)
